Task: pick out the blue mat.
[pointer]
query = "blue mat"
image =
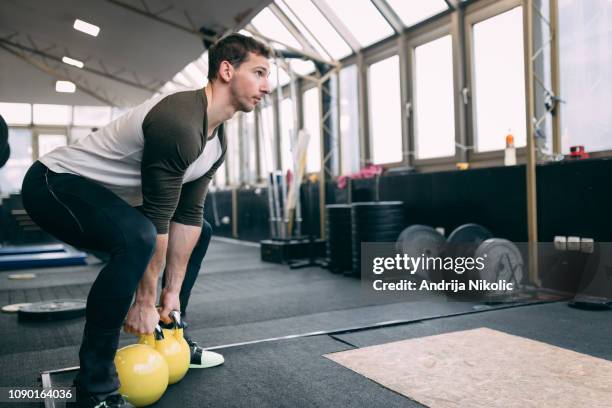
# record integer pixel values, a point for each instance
(31, 249)
(43, 260)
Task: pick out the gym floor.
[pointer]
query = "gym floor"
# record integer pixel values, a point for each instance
(249, 311)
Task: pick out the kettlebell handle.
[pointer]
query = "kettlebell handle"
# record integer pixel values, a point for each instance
(151, 338)
(175, 315)
(159, 334)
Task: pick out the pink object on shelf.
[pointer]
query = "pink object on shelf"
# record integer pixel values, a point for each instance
(370, 171)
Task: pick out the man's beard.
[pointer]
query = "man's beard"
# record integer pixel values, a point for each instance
(242, 107)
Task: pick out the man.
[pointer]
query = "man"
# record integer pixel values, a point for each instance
(5, 150)
(135, 189)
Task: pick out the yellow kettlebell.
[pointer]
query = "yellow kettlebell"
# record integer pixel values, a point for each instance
(175, 350)
(142, 370)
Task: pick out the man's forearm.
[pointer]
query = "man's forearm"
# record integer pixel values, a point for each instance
(183, 239)
(146, 292)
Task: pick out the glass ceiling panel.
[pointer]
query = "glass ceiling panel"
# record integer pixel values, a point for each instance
(303, 30)
(317, 24)
(363, 20)
(197, 76)
(270, 26)
(412, 12)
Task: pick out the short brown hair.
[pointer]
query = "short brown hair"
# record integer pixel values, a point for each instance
(235, 49)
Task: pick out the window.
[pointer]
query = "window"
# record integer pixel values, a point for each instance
(434, 120)
(312, 124)
(333, 157)
(267, 145)
(585, 40)
(286, 133)
(270, 26)
(220, 179)
(318, 25)
(11, 175)
(278, 76)
(499, 81)
(412, 12)
(91, 115)
(196, 74)
(16, 113)
(249, 147)
(542, 68)
(362, 19)
(349, 120)
(233, 151)
(52, 114)
(385, 112)
(50, 142)
(183, 81)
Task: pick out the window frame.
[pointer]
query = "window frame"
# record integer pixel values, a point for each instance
(477, 12)
(443, 28)
(304, 86)
(383, 53)
(47, 130)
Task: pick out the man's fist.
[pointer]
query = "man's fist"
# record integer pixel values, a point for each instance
(169, 301)
(141, 319)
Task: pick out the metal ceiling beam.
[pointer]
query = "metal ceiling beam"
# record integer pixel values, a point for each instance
(452, 4)
(50, 71)
(326, 53)
(147, 13)
(315, 58)
(390, 15)
(338, 25)
(85, 68)
(292, 29)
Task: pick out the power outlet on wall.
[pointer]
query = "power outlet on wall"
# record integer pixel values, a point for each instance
(573, 243)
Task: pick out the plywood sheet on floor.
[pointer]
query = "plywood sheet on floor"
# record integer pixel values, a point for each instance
(484, 368)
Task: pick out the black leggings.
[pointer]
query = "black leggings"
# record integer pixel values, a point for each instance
(87, 215)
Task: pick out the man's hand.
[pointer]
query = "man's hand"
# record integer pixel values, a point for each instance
(141, 319)
(169, 301)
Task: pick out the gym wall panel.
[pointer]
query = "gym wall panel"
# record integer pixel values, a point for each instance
(492, 197)
(574, 199)
(253, 223)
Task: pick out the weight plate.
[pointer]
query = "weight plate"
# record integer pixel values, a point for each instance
(375, 209)
(587, 302)
(5, 153)
(369, 215)
(22, 276)
(389, 237)
(382, 219)
(465, 239)
(377, 204)
(14, 307)
(379, 229)
(502, 261)
(337, 206)
(418, 240)
(53, 310)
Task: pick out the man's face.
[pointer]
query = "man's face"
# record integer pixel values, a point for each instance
(250, 83)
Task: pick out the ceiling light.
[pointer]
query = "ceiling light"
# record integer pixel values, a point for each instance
(65, 86)
(73, 62)
(86, 27)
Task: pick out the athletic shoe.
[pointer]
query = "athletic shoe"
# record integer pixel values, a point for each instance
(201, 358)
